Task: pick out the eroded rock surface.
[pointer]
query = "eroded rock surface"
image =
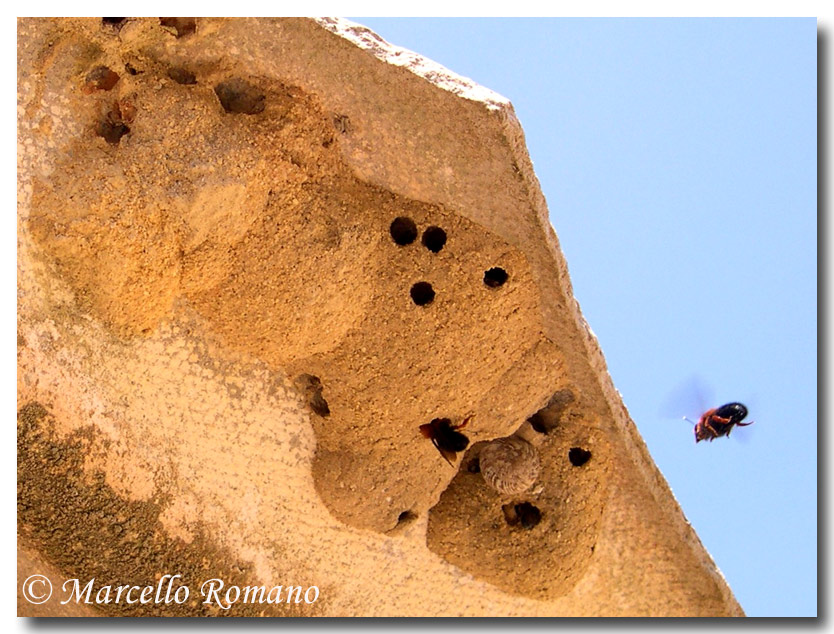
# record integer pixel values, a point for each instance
(255, 257)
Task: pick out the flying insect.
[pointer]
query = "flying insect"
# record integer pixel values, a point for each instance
(720, 421)
(446, 437)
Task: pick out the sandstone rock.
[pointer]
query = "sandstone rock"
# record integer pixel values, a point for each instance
(245, 284)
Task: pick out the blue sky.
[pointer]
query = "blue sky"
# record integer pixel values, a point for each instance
(678, 158)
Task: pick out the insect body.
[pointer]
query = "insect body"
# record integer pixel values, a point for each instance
(719, 422)
(446, 437)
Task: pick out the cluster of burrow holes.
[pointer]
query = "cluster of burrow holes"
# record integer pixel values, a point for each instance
(237, 96)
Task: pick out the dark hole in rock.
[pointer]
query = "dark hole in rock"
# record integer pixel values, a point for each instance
(319, 405)
(406, 517)
(537, 422)
(131, 69)
(116, 23)
(434, 239)
(113, 126)
(238, 96)
(312, 388)
(182, 26)
(528, 515)
(524, 513)
(548, 417)
(181, 75)
(495, 277)
(403, 231)
(474, 466)
(112, 132)
(578, 456)
(100, 78)
(422, 293)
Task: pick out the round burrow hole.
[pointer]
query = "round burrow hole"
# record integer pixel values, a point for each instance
(115, 23)
(238, 96)
(525, 514)
(434, 239)
(422, 293)
(538, 423)
(182, 75)
(112, 131)
(578, 456)
(181, 26)
(406, 517)
(312, 388)
(113, 126)
(548, 418)
(495, 277)
(403, 231)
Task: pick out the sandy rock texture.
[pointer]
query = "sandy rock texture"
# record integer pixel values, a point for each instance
(255, 257)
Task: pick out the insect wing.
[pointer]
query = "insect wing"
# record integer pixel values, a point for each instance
(689, 397)
(450, 456)
(688, 400)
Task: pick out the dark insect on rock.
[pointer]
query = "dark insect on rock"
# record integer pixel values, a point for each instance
(720, 421)
(446, 437)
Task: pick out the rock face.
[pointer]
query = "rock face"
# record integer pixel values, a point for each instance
(255, 257)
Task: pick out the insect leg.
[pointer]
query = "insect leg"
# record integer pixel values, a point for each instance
(464, 423)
